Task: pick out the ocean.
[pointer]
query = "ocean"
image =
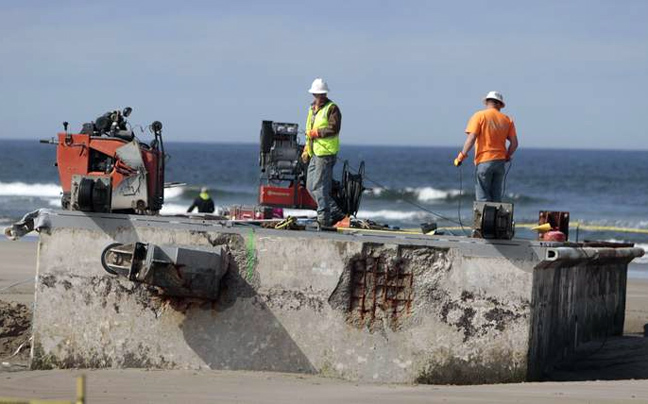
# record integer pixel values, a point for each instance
(598, 187)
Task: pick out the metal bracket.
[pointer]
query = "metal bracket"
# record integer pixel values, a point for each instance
(177, 271)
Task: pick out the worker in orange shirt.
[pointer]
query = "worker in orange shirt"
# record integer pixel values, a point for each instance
(489, 130)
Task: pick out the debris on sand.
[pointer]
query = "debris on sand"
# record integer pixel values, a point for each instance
(15, 325)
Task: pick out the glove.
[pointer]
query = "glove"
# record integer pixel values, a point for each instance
(460, 158)
(313, 134)
(305, 157)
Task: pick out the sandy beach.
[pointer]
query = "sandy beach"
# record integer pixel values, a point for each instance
(621, 358)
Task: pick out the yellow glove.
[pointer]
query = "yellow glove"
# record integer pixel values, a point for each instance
(305, 157)
(460, 158)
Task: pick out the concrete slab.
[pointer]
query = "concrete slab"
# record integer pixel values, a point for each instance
(369, 307)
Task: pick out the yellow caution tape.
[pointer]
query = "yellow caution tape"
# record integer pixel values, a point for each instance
(573, 227)
(617, 229)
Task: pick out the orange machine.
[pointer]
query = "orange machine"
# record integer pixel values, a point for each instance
(105, 168)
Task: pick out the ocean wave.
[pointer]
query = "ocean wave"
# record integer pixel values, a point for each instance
(420, 194)
(299, 212)
(640, 260)
(392, 214)
(644, 259)
(173, 209)
(49, 190)
(630, 224)
(189, 192)
(435, 195)
(24, 189)
(173, 193)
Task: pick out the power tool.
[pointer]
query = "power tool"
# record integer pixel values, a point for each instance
(106, 168)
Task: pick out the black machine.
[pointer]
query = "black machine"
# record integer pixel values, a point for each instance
(283, 174)
(493, 220)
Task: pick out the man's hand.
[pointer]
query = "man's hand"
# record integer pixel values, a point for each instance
(460, 158)
(508, 157)
(313, 134)
(305, 157)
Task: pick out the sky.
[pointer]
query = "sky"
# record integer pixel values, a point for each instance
(574, 73)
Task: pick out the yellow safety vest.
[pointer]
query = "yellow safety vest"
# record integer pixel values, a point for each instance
(326, 146)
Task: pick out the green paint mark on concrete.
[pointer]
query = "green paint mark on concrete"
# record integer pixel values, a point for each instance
(251, 256)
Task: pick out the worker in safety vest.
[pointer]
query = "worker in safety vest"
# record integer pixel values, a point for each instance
(489, 130)
(322, 145)
(204, 202)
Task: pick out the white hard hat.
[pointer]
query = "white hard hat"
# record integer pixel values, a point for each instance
(319, 86)
(204, 189)
(495, 95)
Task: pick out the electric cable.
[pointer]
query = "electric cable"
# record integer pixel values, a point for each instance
(460, 198)
(440, 216)
(510, 164)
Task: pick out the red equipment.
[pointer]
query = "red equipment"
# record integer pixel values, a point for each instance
(292, 196)
(106, 169)
(283, 175)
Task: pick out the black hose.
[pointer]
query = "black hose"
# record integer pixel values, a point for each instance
(510, 164)
(440, 216)
(460, 198)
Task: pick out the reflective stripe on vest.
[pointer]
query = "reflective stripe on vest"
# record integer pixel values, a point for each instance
(322, 146)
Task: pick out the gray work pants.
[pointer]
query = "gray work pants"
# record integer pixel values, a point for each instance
(489, 181)
(319, 181)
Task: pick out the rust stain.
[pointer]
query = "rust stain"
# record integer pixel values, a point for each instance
(381, 289)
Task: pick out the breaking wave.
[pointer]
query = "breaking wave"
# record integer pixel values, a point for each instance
(640, 260)
(644, 259)
(173, 208)
(49, 190)
(191, 191)
(24, 189)
(421, 194)
(434, 195)
(392, 214)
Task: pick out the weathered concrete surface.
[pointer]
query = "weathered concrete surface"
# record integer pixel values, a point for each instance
(371, 308)
(575, 302)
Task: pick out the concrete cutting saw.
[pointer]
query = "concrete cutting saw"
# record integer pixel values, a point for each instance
(106, 168)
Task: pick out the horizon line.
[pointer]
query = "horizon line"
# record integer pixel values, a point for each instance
(242, 143)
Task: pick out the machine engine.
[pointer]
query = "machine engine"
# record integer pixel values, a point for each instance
(283, 174)
(105, 168)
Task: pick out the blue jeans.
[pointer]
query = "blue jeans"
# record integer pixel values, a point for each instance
(319, 181)
(489, 181)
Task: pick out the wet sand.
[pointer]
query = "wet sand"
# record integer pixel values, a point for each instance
(181, 386)
(617, 358)
(17, 268)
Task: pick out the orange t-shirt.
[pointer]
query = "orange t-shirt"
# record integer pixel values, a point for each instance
(492, 129)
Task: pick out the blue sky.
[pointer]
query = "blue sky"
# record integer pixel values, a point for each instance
(574, 73)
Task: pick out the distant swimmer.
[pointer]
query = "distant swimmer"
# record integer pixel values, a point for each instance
(489, 130)
(204, 202)
(322, 145)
